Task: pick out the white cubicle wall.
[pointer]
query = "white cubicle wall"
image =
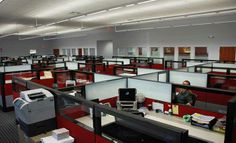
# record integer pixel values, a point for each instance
(103, 77)
(189, 64)
(150, 76)
(196, 79)
(151, 89)
(141, 71)
(72, 65)
(15, 68)
(125, 61)
(1, 69)
(59, 65)
(104, 90)
(224, 65)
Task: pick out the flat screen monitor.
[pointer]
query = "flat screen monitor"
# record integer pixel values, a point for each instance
(127, 94)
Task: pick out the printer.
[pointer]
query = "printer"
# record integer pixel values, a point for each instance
(35, 111)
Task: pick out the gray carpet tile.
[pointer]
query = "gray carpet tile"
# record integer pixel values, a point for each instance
(8, 128)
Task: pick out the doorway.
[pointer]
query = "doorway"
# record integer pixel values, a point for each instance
(105, 48)
(227, 53)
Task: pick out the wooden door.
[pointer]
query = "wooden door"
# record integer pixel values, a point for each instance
(227, 53)
(56, 52)
(80, 51)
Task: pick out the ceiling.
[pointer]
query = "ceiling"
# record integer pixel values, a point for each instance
(39, 18)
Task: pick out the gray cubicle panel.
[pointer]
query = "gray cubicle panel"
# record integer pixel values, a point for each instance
(150, 89)
(196, 79)
(104, 90)
(103, 77)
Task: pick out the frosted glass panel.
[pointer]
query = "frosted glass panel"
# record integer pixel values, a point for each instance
(146, 71)
(162, 77)
(104, 90)
(72, 65)
(102, 77)
(224, 65)
(153, 90)
(196, 79)
(151, 76)
(1, 69)
(189, 64)
(17, 68)
(58, 65)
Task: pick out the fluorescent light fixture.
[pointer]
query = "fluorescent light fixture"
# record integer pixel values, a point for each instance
(11, 34)
(115, 8)
(58, 8)
(148, 1)
(99, 12)
(38, 30)
(6, 28)
(129, 5)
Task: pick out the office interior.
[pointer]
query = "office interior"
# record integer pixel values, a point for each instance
(111, 71)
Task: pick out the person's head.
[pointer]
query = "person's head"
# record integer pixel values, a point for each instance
(186, 82)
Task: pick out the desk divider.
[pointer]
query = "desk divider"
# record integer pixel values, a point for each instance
(150, 89)
(103, 77)
(141, 71)
(1, 69)
(58, 65)
(196, 79)
(189, 64)
(72, 65)
(17, 68)
(223, 65)
(150, 76)
(104, 90)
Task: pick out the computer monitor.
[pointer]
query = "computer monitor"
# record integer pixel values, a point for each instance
(127, 94)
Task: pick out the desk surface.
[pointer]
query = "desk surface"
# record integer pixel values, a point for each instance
(194, 131)
(88, 121)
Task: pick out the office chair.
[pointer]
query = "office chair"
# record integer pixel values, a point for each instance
(194, 98)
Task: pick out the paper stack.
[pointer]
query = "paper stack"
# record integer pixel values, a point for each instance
(203, 120)
(58, 136)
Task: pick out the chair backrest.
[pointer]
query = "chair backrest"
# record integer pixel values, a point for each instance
(194, 98)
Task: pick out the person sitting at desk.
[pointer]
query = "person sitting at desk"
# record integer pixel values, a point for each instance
(185, 96)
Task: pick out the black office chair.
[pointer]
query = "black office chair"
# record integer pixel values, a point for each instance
(194, 98)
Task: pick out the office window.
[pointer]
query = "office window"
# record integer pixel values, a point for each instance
(184, 53)
(201, 53)
(68, 52)
(131, 51)
(169, 53)
(73, 52)
(92, 51)
(155, 52)
(86, 52)
(63, 51)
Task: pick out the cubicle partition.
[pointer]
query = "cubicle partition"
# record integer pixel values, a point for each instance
(196, 79)
(104, 77)
(94, 123)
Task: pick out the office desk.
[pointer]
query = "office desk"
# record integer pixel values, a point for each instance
(88, 121)
(194, 131)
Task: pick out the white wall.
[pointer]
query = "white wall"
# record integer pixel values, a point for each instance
(105, 48)
(191, 36)
(11, 46)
